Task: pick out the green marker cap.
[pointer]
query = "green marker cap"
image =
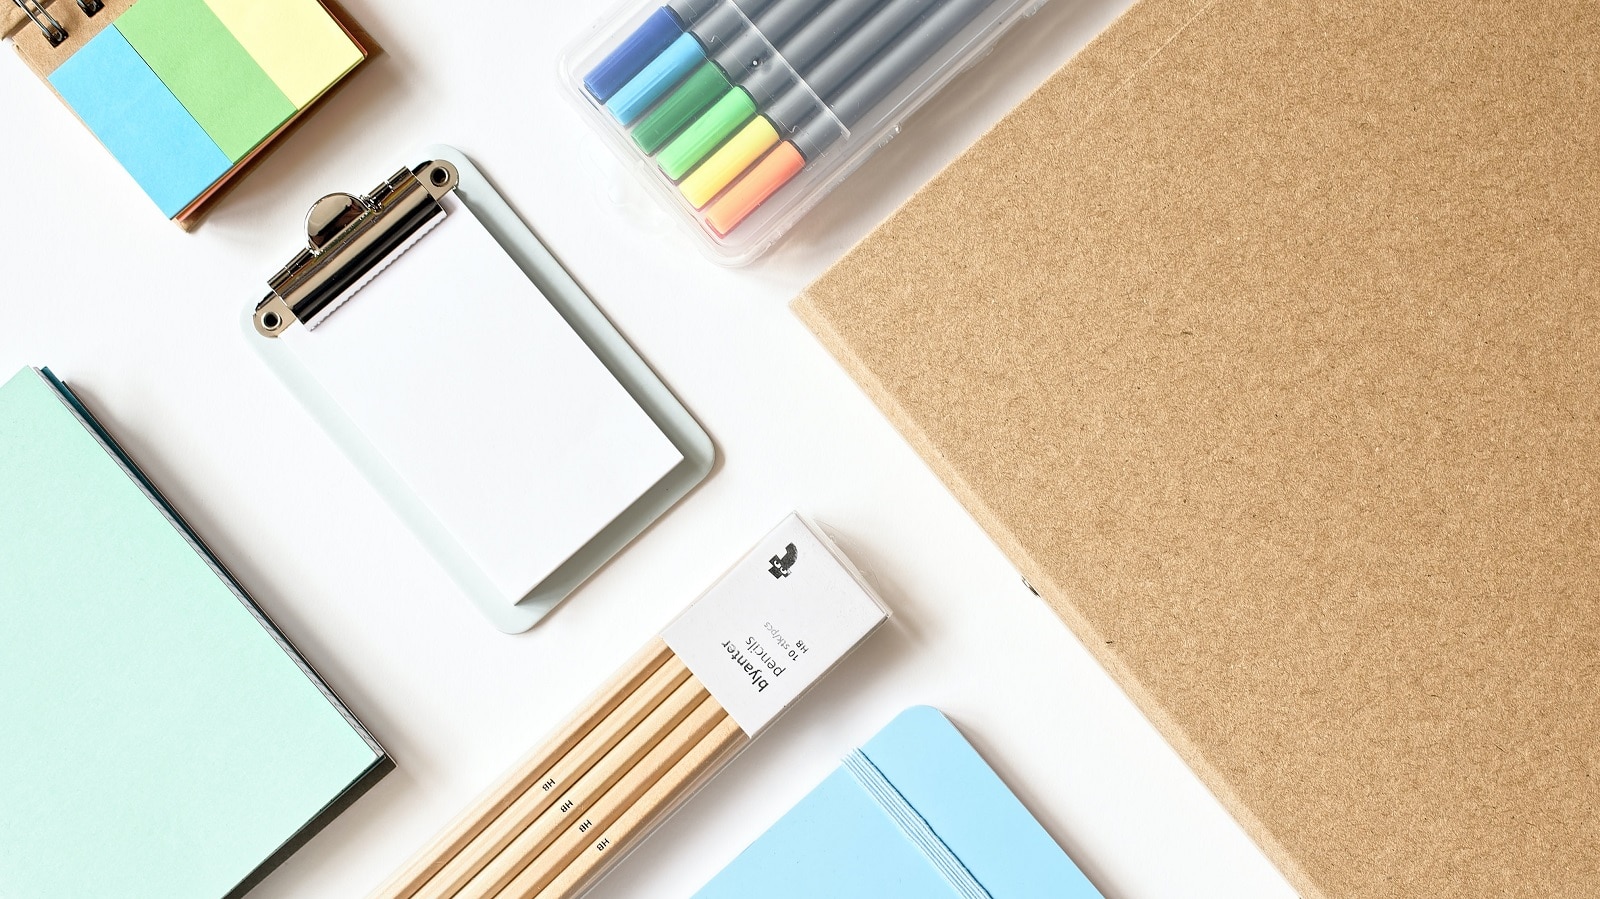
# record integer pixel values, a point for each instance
(697, 92)
(706, 134)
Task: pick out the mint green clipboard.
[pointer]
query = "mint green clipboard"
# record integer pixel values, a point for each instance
(580, 312)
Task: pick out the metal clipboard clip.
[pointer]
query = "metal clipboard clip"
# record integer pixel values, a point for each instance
(350, 239)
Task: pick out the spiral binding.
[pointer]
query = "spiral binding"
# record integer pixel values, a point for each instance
(50, 25)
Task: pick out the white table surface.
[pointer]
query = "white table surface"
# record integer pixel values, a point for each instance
(143, 320)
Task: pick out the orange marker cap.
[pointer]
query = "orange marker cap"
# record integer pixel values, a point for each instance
(750, 191)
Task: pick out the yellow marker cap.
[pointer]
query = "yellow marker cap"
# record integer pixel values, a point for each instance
(722, 167)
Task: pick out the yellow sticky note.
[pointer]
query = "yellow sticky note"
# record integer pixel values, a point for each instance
(298, 43)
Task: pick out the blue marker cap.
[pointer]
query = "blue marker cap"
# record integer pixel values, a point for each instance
(622, 64)
(666, 70)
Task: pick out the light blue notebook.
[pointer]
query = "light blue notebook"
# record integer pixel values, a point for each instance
(159, 739)
(914, 814)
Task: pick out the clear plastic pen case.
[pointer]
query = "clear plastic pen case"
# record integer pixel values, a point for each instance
(741, 115)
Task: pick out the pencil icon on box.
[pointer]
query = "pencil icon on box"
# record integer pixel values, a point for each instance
(751, 110)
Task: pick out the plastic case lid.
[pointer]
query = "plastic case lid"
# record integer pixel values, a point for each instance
(741, 116)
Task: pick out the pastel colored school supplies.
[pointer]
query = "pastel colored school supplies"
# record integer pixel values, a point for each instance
(759, 70)
(815, 136)
(704, 87)
(655, 34)
(716, 677)
(719, 32)
(476, 386)
(161, 738)
(740, 159)
(916, 812)
(187, 95)
(761, 84)
(896, 28)
(1262, 338)
(786, 104)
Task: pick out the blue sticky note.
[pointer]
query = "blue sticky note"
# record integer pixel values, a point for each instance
(917, 813)
(138, 119)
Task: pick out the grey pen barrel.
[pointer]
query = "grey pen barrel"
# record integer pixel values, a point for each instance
(721, 28)
(738, 50)
(753, 8)
(758, 59)
(825, 29)
(692, 11)
(770, 80)
(792, 110)
(875, 82)
(725, 33)
(750, 62)
(784, 18)
(816, 135)
(751, 53)
(789, 109)
(875, 37)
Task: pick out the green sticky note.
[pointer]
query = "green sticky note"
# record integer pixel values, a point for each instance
(208, 70)
(156, 742)
(109, 86)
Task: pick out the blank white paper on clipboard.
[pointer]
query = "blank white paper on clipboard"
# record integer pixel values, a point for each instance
(528, 446)
(476, 386)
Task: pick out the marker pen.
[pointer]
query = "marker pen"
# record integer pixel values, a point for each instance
(878, 35)
(762, 79)
(797, 104)
(828, 68)
(785, 116)
(759, 77)
(709, 35)
(812, 40)
(664, 26)
(869, 88)
(705, 85)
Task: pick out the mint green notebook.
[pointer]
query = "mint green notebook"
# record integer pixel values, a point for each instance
(159, 739)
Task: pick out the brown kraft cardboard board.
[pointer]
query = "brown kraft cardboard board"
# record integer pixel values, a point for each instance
(1265, 338)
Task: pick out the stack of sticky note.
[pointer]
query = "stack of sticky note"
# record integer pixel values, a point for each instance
(184, 92)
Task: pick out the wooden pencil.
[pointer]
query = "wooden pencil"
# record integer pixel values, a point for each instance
(659, 801)
(640, 709)
(526, 775)
(492, 867)
(620, 798)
